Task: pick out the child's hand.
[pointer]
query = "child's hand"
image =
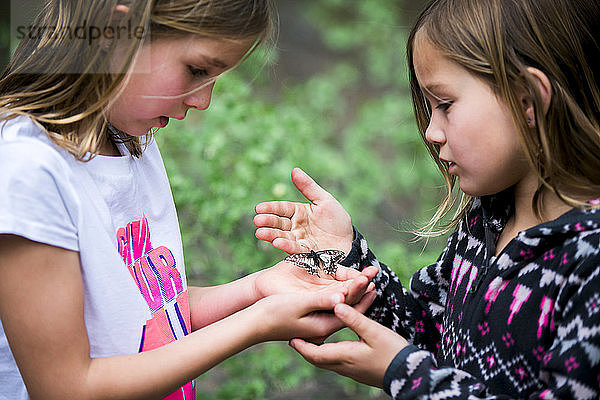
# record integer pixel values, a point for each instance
(285, 277)
(299, 227)
(307, 315)
(365, 360)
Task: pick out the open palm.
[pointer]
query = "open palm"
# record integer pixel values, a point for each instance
(298, 227)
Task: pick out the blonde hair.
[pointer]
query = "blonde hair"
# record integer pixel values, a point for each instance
(65, 84)
(497, 40)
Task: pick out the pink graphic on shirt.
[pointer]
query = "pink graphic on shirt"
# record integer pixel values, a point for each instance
(155, 272)
(520, 296)
(496, 286)
(546, 307)
(459, 269)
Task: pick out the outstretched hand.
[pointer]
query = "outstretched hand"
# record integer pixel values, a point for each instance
(285, 277)
(364, 360)
(298, 227)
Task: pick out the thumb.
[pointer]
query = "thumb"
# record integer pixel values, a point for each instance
(323, 301)
(356, 321)
(308, 187)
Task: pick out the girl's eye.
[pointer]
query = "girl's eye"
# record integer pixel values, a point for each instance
(197, 72)
(443, 106)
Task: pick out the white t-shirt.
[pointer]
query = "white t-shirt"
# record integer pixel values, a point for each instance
(118, 213)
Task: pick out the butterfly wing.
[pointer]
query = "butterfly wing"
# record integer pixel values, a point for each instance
(304, 260)
(330, 259)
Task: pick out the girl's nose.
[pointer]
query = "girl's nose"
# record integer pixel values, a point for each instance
(434, 133)
(200, 99)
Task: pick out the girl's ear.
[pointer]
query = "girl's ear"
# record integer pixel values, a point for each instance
(545, 89)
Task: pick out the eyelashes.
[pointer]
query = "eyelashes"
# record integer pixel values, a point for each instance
(443, 106)
(197, 72)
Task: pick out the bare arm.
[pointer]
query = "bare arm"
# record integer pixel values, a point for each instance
(210, 304)
(46, 331)
(213, 303)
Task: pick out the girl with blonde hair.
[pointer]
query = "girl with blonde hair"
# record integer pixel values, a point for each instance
(94, 301)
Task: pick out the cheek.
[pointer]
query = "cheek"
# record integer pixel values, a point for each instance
(493, 170)
(155, 88)
(154, 107)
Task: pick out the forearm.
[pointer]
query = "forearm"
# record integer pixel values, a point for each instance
(390, 308)
(210, 304)
(413, 314)
(156, 373)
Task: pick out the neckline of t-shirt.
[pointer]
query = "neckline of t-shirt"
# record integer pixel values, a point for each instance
(111, 165)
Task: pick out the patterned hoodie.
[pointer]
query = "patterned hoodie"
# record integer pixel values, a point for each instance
(525, 324)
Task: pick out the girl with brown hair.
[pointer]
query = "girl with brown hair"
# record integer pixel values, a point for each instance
(507, 100)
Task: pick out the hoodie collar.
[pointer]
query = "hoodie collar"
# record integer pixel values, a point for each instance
(497, 209)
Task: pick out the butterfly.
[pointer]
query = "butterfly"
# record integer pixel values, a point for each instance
(326, 259)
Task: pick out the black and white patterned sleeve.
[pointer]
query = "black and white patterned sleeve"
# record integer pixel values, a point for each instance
(413, 374)
(414, 314)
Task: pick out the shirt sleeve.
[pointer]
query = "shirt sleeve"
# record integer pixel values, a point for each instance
(37, 198)
(413, 374)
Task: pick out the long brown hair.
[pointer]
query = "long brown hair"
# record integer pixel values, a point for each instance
(497, 40)
(63, 78)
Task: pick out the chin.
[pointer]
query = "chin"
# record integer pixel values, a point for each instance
(137, 131)
(472, 190)
(478, 192)
(130, 130)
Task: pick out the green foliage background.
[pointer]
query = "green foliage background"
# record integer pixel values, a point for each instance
(350, 126)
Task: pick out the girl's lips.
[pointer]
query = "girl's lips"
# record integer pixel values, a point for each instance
(451, 165)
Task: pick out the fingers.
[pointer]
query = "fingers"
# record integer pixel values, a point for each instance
(287, 245)
(326, 300)
(366, 301)
(272, 221)
(319, 323)
(359, 283)
(324, 355)
(370, 272)
(280, 208)
(308, 187)
(274, 225)
(280, 239)
(313, 353)
(270, 234)
(325, 323)
(344, 273)
(357, 287)
(355, 320)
